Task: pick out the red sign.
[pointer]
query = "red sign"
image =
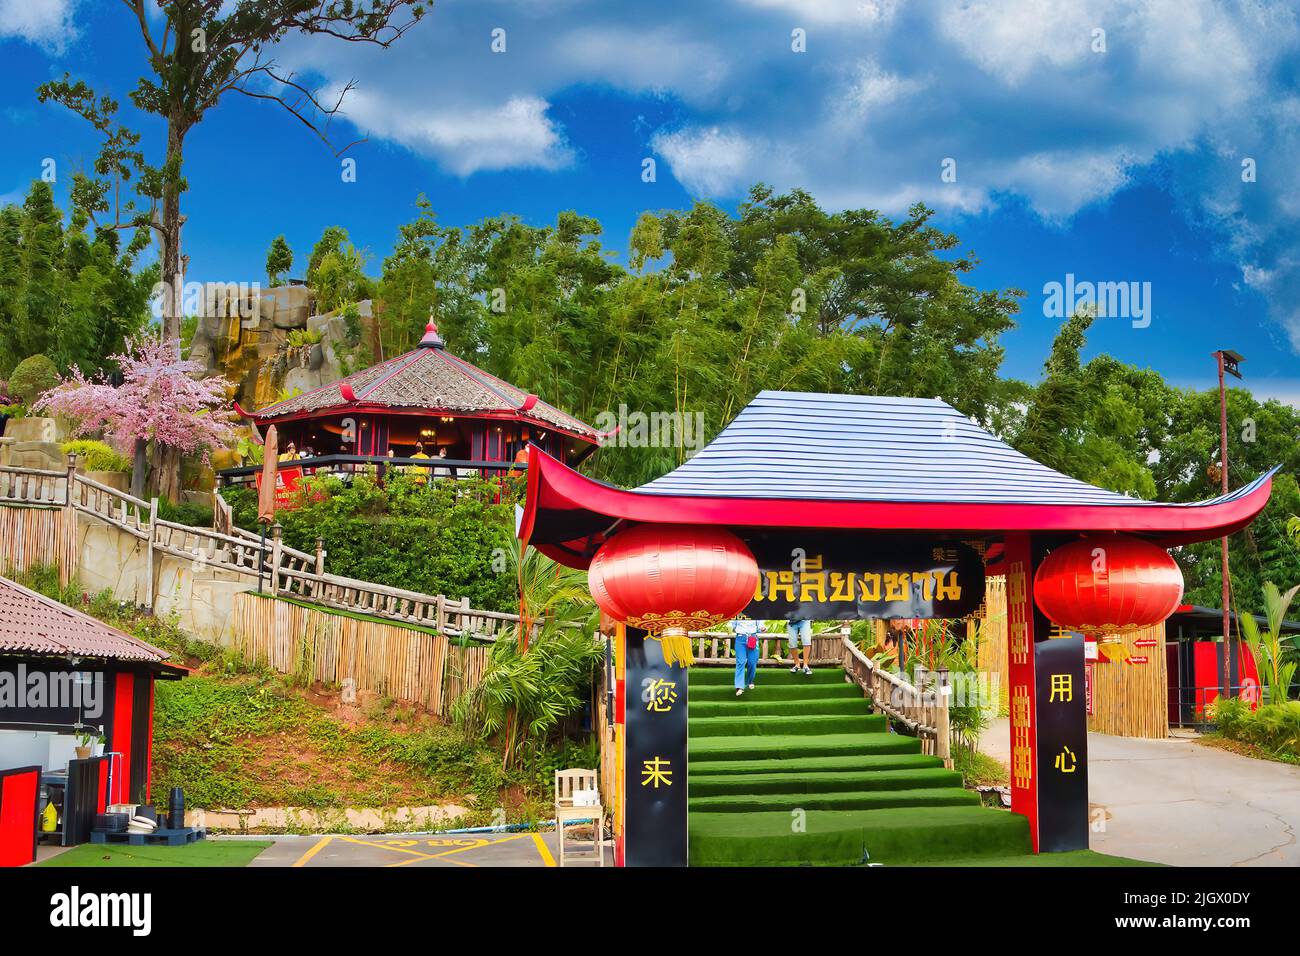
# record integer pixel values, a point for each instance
(1145, 642)
(287, 482)
(1089, 682)
(1139, 660)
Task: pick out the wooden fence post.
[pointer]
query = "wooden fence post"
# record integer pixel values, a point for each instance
(153, 534)
(275, 558)
(320, 555)
(67, 545)
(943, 736)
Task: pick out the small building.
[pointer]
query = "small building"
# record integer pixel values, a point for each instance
(426, 399)
(67, 681)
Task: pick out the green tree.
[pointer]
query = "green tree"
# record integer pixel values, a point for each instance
(279, 260)
(196, 52)
(32, 378)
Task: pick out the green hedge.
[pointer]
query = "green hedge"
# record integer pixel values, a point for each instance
(1273, 727)
(450, 537)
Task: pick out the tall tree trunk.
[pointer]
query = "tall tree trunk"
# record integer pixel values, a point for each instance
(173, 270)
(139, 469)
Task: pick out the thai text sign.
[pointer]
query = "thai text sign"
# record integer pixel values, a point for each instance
(824, 577)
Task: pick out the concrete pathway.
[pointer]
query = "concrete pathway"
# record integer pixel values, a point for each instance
(1175, 801)
(420, 850)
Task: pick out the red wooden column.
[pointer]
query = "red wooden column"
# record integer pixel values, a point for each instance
(1049, 723)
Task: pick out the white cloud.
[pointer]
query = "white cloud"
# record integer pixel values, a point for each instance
(710, 161)
(657, 60)
(1012, 38)
(45, 23)
(516, 134)
(838, 12)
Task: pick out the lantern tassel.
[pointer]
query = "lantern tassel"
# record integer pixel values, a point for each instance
(676, 645)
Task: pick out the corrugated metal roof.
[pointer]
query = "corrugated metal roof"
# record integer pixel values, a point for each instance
(31, 623)
(814, 446)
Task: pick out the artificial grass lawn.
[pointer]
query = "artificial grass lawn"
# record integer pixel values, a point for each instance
(788, 747)
(1071, 858)
(799, 772)
(209, 853)
(894, 836)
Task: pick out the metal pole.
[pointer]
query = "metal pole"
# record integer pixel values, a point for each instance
(1223, 455)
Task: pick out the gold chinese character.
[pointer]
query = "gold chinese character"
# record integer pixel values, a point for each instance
(655, 771)
(1022, 753)
(661, 695)
(1065, 761)
(1062, 688)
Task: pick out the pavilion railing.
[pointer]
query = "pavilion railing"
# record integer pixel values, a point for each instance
(347, 465)
(921, 708)
(268, 562)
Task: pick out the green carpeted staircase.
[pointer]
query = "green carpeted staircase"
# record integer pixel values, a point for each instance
(799, 771)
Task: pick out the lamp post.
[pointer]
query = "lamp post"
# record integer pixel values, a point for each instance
(1229, 362)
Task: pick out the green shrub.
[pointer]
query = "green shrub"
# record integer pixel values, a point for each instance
(450, 537)
(34, 376)
(96, 456)
(185, 512)
(1272, 727)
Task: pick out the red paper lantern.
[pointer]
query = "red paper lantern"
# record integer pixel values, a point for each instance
(1108, 585)
(671, 579)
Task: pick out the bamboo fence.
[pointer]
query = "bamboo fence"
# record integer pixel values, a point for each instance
(390, 660)
(1129, 699)
(32, 537)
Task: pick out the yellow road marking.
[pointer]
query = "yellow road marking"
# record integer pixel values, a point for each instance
(392, 849)
(320, 845)
(542, 848)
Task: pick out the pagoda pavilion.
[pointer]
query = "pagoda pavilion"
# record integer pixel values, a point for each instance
(802, 489)
(426, 402)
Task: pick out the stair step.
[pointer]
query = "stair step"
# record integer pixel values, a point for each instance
(765, 764)
(784, 726)
(848, 800)
(705, 749)
(824, 782)
(747, 707)
(718, 692)
(894, 836)
(774, 675)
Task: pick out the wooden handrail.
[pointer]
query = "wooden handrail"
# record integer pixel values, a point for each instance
(243, 552)
(921, 710)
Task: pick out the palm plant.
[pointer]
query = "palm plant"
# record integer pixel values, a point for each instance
(1276, 663)
(536, 670)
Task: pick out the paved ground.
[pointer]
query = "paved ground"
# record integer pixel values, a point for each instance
(1177, 802)
(406, 850)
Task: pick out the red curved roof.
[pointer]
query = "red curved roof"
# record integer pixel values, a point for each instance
(804, 460)
(428, 380)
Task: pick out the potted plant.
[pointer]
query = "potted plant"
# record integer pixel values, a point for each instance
(85, 739)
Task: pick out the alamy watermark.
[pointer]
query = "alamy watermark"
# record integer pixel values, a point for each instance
(1113, 300)
(21, 689)
(636, 429)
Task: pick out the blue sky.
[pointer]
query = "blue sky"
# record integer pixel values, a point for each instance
(1113, 155)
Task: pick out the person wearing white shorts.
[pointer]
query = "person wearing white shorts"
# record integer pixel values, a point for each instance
(798, 637)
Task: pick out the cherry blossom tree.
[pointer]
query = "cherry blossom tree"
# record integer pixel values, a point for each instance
(158, 401)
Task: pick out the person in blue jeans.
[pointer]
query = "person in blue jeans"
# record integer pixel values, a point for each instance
(746, 641)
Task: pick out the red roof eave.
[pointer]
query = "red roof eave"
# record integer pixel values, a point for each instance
(553, 486)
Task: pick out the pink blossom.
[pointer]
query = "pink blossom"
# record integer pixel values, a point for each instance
(157, 401)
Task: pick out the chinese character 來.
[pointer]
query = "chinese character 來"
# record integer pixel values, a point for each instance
(655, 771)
